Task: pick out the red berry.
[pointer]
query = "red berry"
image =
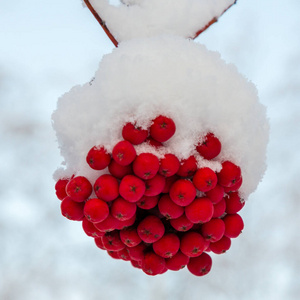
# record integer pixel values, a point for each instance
(71, 209)
(155, 185)
(188, 167)
(169, 165)
(122, 209)
(135, 263)
(205, 179)
(213, 230)
(98, 158)
(99, 243)
(177, 262)
(233, 225)
(153, 264)
(147, 202)
(123, 254)
(200, 265)
(79, 188)
(167, 246)
(210, 147)
(96, 210)
(106, 187)
(235, 187)
(146, 165)
(132, 188)
(134, 134)
(168, 208)
(162, 128)
(182, 223)
(216, 194)
(119, 171)
(200, 210)
(234, 203)
(130, 237)
(137, 252)
(112, 242)
(219, 209)
(113, 254)
(151, 229)
(90, 230)
(192, 244)
(229, 175)
(182, 192)
(126, 223)
(109, 224)
(220, 246)
(123, 153)
(60, 188)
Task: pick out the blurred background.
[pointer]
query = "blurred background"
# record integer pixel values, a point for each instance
(48, 47)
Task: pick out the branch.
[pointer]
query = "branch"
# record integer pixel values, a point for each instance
(101, 22)
(115, 42)
(214, 20)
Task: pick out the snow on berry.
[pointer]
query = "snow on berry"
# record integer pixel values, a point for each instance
(223, 103)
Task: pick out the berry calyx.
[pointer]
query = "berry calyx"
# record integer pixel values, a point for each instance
(205, 179)
(162, 128)
(182, 192)
(229, 175)
(79, 188)
(146, 165)
(151, 229)
(123, 153)
(192, 244)
(200, 265)
(132, 188)
(167, 246)
(122, 210)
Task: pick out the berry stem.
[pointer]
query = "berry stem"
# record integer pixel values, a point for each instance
(214, 20)
(101, 22)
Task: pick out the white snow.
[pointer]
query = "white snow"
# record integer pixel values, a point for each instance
(146, 18)
(167, 75)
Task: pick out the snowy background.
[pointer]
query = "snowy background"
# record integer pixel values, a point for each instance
(48, 47)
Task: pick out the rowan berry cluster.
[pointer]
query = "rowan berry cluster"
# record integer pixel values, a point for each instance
(158, 213)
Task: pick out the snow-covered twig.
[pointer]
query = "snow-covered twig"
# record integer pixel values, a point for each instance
(115, 42)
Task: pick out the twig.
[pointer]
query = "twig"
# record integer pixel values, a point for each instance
(214, 20)
(115, 42)
(101, 22)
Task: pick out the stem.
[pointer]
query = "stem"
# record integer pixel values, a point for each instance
(101, 22)
(214, 20)
(115, 42)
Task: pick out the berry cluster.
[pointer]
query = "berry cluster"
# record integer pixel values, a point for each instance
(158, 213)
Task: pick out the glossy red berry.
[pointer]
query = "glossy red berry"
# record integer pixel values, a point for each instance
(209, 147)
(162, 128)
(134, 134)
(98, 158)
